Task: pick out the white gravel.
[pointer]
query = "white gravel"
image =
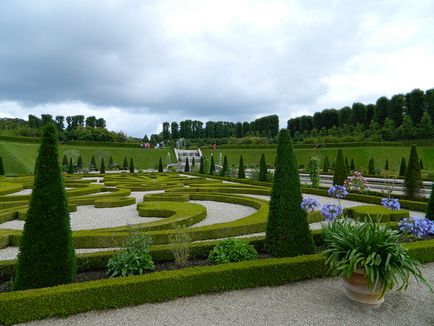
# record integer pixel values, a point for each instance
(308, 303)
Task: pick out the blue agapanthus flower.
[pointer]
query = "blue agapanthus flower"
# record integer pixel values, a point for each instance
(331, 211)
(337, 192)
(419, 227)
(391, 203)
(309, 204)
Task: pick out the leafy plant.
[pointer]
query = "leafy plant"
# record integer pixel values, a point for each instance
(232, 250)
(313, 170)
(180, 244)
(373, 247)
(135, 259)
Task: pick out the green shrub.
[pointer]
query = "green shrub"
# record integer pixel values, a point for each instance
(93, 163)
(47, 256)
(421, 164)
(135, 259)
(413, 178)
(80, 163)
(70, 167)
(102, 169)
(180, 244)
(65, 162)
(263, 171)
(131, 167)
(232, 250)
(225, 167)
(187, 166)
(326, 165)
(241, 171)
(212, 166)
(110, 163)
(430, 207)
(125, 164)
(340, 171)
(402, 168)
(386, 165)
(114, 202)
(201, 166)
(313, 170)
(371, 166)
(160, 165)
(352, 165)
(2, 168)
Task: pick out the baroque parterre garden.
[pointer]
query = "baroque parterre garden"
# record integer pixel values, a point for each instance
(79, 241)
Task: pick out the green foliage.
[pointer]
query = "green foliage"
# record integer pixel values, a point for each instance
(287, 232)
(241, 170)
(80, 163)
(413, 178)
(187, 166)
(70, 167)
(225, 167)
(201, 166)
(93, 162)
(232, 250)
(65, 162)
(47, 255)
(375, 213)
(180, 244)
(125, 164)
(160, 165)
(430, 207)
(212, 166)
(102, 169)
(373, 247)
(135, 259)
(131, 165)
(110, 163)
(386, 165)
(263, 171)
(421, 164)
(2, 169)
(313, 170)
(193, 164)
(340, 170)
(347, 165)
(352, 165)
(326, 165)
(402, 167)
(371, 166)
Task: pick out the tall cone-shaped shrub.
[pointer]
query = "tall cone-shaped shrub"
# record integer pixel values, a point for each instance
(386, 165)
(413, 178)
(421, 164)
(110, 163)
(187, 165)
(430, 207)
(201, 166)
(80, 163)
(288, 231)
(102, 169)
(326, 165)
(263, 171)
(70, 167)
(371, 166)
(402, 168)
(125, 164)
(160, 165)
(46, 255)
(212, 166)
(340, 170)
(93, 163)
(65, 162)
(347, 165)
(241, 170)
(193, 164)
(352, 165)
(2, 168)
(225, 167)
(131, 165)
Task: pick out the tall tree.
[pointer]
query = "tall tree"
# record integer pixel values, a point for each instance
(414, 102)
(47, 256)
(241, 170)
(396, 109)
(287, 232)
(381, 110)
(263, 171)
(413, 177)
(174, 128)
(339, 171)
(166, 132)
(426, 126)
(407, 128)
(358, 114)
(90, 122)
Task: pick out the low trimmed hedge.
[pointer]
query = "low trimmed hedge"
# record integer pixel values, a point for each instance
(167, 197)
(114, 202)
(375, 213)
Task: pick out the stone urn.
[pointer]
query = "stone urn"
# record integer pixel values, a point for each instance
(357, 289)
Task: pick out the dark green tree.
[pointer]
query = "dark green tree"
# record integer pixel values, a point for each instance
(263, 171)
(225, 167)
(402, 168)
(131, 165)
(421, 164)
(110, 163)
(287, 232)
(212, 166)
(187, 165)
(386, 165)
(160, 165)
(70, 167)
(102, 169)
(326, 165)
(201, 166)
(65, 162)
(413, 178)
(340, 170)
(241, 170)
(79, 163)
(193, 164)
(371, 166)
(47, 256)
(347, 165)
(93, 162)
(2, 168)
(430, 207)
(125, 164)
(352, 166)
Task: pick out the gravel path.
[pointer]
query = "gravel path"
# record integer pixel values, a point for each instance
(308, 303)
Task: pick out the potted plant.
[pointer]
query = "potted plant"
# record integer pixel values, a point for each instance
(370, 259)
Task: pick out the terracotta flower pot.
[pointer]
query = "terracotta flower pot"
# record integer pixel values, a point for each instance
(357, 289)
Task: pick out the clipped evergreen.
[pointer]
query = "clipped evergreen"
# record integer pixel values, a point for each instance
(287, 232)
(263, 171)
(225, 167)
(131, 165)
(340, 171)
(79, 163)
(352, 165)
(386, 165)
(125, 164)
(102, 169)
(326, 165)
(65, 162)
(110, 163)
(402, 168)
(371, 166)
(187, 165)
(347, 165)
(430, 207)
(421, 164)
(2, 168)
(413, 178)
(201, 166)
(212, 166)
(241, 170)
(47, 256)
(160, 165)
(193, 164)
(93, 162)
(70, 167)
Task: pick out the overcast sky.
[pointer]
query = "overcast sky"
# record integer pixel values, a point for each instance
(138, 63)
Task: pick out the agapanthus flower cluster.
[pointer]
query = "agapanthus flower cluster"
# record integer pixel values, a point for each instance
(331, 211)
(419, 227)
(391, 203)
(356, 182)
(309, 204)
(338, 192)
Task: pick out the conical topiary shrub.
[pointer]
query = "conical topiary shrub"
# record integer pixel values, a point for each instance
(79, 163)
(430, 207)
(65, 163)
(352, 165)
(160, 165)
(212, 166)
(70, 167)
(287, 231)
(402, 168)
(371, 166)
(421, 164)
(46, 255)
(326, 165)
(347, 165)
(225, 167)
(340, 171)
(386, 165)
(125, 164)
(102, 169)
(131, 165)
(110, 163)
(193, 164)
(201, 166)
(187, 165)
(263, 171)
(2, 168)
(413, 178)
(241, 170)
(93, 163)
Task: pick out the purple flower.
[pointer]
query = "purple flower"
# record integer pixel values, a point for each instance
(309, 204)
(338, 192)
(331, 211)
(391, 203)
(419, 227)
